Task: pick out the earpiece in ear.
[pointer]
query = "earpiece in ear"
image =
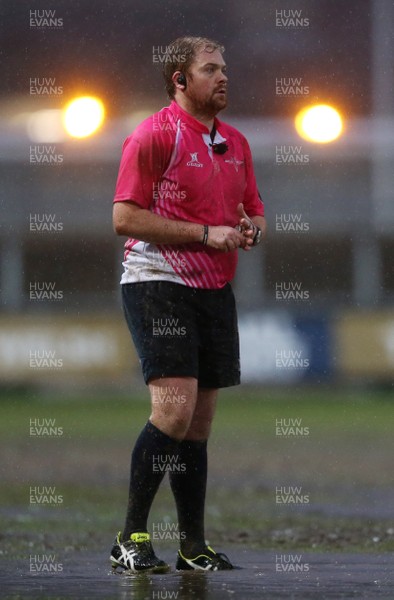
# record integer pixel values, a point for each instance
(182, 79)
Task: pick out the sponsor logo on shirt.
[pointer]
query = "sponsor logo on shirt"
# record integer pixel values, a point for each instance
(234, 161)
(194, 162)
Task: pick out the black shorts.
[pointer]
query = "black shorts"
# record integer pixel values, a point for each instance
(180, 331)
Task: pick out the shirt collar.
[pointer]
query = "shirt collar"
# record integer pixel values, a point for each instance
(178, 112)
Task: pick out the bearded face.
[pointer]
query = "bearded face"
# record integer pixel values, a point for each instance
(206, 90)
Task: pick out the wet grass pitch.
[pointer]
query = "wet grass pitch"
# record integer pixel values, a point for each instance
(290, 473)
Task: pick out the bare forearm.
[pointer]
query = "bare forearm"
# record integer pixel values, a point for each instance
(141, 224)
(138, 223)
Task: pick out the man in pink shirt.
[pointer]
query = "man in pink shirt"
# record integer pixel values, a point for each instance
(186, 198)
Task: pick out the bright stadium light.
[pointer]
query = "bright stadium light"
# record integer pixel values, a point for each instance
(83, 116)
(321, 123)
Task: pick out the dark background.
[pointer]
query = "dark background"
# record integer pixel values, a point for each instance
(105, 47)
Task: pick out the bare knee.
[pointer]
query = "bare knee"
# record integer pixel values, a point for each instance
(173, 404)
(175, 425)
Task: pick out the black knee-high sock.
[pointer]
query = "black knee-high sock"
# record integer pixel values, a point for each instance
(148, 467)
(189, 489)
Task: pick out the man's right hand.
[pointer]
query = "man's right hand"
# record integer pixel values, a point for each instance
(225, 238)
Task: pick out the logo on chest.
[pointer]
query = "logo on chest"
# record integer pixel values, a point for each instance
(194, 162)
(234, 161)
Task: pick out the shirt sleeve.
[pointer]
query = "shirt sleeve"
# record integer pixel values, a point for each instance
(253, 203)
(143, 162)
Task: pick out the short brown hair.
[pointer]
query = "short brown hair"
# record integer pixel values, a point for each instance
(182, 52)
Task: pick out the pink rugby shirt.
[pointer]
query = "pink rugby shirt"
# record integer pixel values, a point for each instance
(168, 167)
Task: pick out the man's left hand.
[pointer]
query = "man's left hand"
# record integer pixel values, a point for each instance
(246, 227)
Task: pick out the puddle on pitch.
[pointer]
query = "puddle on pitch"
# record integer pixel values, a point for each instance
(330, 576)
